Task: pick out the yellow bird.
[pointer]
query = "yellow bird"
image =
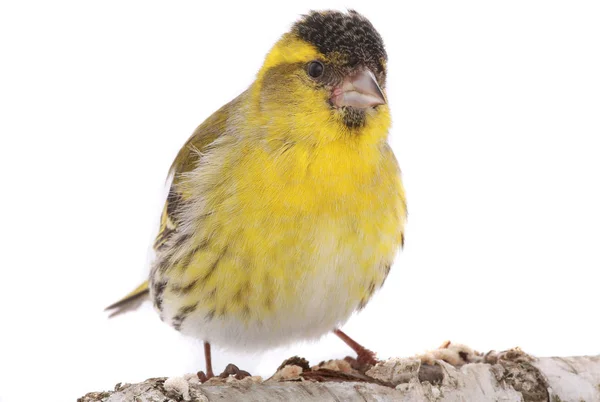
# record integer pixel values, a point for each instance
(286, 207)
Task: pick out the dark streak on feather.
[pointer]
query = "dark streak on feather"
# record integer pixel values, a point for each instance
(386, 271)
(213, 267)
(268, 286)
(182, 314)
(158, 290)
(185, 261)
(371, 289)
(173, 206)
(269, 301)
(181, 239)
(182, 290)
(365, 300)
(242, 293)
(210, 296)
(174, 200)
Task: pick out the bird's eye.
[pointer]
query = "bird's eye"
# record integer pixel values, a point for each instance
(315, 69)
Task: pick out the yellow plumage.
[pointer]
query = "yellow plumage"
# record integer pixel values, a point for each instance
(286, 207)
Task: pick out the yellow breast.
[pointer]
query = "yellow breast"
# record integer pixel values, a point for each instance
(309, 233)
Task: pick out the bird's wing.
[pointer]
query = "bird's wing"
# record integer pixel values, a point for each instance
(185, 161)
(130, 302)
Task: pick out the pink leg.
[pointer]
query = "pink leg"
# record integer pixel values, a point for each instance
(207, 357)
(365, 356)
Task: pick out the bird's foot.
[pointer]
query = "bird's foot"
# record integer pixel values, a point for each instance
(364, 357)
(363, 361)
(230, 370)
(233, 370)
(203, 377)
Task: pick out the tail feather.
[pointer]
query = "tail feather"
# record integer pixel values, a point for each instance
(130, 302)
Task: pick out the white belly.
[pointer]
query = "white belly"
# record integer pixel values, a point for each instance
(323, 299)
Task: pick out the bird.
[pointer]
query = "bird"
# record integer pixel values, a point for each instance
(286, 207)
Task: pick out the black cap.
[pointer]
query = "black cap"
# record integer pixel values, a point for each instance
(349, 34)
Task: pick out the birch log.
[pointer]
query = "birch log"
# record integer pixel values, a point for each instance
(496, 378)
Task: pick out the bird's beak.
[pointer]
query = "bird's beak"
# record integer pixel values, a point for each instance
(359, 90)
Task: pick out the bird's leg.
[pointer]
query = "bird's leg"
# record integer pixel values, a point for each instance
(208, 359)
(230, 370)
(364, 355)
(209, 371)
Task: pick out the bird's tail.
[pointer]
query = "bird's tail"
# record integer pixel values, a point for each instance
(130, 302)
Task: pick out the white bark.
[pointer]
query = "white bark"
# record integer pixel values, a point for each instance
(516, 378)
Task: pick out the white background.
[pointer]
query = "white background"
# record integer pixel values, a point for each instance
(496, 110)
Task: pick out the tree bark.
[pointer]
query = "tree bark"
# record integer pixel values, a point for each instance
(505, 376)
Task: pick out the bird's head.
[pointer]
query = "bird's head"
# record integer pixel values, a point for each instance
(324, 80)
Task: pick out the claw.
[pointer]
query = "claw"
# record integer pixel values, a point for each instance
(364, 358)
(233, 370)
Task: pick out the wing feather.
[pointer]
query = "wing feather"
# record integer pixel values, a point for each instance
(185, 161)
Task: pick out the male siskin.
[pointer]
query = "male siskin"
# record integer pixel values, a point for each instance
(286, 207)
